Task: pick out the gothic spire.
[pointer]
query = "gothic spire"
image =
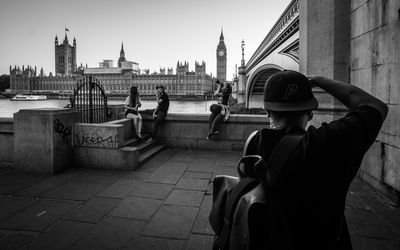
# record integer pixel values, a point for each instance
(221, 37)
(122, 53)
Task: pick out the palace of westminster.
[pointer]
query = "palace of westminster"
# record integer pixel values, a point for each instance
(116, 80)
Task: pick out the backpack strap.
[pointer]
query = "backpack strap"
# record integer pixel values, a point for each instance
(281, 154)
(244, 186)
(250, 143)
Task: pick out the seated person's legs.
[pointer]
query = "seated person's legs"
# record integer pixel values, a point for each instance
(139, 126)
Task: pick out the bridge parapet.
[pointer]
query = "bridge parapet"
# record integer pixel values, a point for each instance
(285, 26)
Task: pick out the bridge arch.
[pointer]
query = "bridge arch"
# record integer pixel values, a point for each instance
(256, 83)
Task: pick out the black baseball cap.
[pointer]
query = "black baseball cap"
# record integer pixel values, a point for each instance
(160, 87)
(289, 90)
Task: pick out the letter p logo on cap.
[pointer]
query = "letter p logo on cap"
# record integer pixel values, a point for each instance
(290, 90)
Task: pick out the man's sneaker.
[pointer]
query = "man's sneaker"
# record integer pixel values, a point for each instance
(215, 132)
(150, 140)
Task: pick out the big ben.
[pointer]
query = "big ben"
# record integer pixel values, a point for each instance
(221, 58)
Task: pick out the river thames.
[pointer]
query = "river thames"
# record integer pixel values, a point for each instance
(8, 108)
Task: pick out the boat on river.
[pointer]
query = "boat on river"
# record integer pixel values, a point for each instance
(20, 97)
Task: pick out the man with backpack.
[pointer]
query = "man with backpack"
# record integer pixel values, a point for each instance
(311, 186)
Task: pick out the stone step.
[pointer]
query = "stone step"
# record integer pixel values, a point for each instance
(133, 142)
(145, 146)
(150, 152)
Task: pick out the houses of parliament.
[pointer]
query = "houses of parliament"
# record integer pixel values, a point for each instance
(118, 79)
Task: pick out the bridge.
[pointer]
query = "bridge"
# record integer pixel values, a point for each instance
(354, 41)
(279, 50)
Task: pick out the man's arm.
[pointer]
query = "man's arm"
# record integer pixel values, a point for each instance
(217, 92)
(351, 96)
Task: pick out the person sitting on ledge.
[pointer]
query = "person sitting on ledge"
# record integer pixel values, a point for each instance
(132, 104)
(161, 110)
(219, 111)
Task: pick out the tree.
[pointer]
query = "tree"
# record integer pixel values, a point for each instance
(4, 82)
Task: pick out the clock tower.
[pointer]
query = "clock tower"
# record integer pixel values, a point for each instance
(221, 58)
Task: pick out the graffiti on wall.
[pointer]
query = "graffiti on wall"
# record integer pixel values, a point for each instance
(92, 138)
(63, 130)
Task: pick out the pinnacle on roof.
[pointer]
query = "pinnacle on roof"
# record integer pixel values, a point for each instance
(122, 48)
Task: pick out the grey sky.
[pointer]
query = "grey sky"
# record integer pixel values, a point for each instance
(156, 33)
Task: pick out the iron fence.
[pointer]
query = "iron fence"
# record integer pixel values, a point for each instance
(90, 100)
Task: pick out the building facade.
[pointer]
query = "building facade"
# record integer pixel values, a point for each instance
(115, 80)
(221, 58)
(65, 57)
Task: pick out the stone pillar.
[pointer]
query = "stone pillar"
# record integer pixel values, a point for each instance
(325, 38)
(43, 140)
(325, 44)
(241, 93)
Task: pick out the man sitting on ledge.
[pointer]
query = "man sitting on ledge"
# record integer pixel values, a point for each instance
(161, 110)
(311, 189)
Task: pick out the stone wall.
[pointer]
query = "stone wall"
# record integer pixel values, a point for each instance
(189, 131)
(375, 67)
(6, 141)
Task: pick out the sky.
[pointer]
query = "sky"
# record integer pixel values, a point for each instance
(155, 33)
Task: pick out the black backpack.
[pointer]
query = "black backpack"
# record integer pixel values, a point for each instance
(245, 209)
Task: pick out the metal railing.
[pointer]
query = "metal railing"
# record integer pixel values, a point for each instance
(90, 100)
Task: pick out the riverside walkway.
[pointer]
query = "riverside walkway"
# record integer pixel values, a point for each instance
(162, 205)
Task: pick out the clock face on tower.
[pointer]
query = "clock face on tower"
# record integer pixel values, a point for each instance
(221, 53)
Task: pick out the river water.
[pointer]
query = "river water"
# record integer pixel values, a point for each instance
(8, 108)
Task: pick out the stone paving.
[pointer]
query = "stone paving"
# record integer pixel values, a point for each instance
(163, 205)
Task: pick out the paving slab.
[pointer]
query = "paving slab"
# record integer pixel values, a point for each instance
(207, 168)
(165, 155)
(192, 184)
(205, 161)
(75, 191)
(39, 216)
(138, 174)
(11, 183)
(12, 205)
(200, 242)
(366, 243)
(184, 157)
(47, 184)
(202, 225)
(228, 158)
(206, 154)
(16, 241)
(169, 173)
(61, 236)
(185, 198)
(152, 190)
(110, 233)
(197, 175)
(146, 243)
(151, 165)
(136, 208)
(210, 188)
(173, 222)
(120, 189)
(93, 176)
(93, 210)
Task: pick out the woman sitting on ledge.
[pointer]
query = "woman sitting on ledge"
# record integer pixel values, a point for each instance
(132, 104)
(221, 110)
